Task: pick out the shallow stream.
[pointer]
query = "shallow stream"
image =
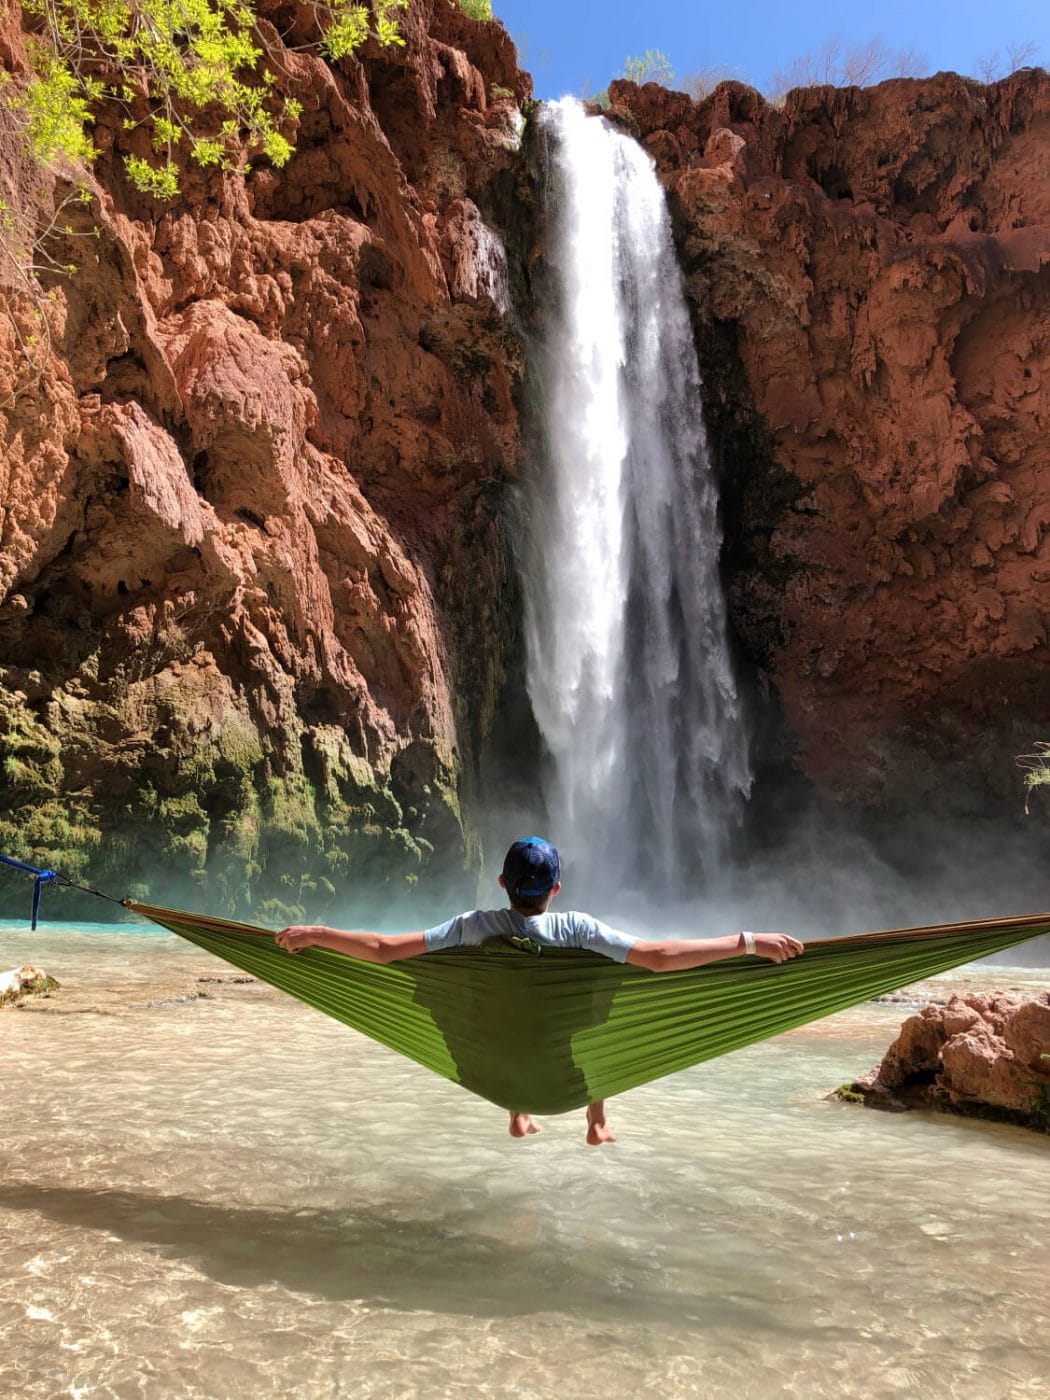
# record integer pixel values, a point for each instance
(237, 1197)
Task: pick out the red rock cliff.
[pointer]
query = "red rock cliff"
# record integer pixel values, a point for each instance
(244, 504)
(253, 587)
(878, 263)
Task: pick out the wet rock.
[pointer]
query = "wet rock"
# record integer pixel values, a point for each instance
(25, 981)
(132, 997)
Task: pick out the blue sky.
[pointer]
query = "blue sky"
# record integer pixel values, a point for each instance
(570, 45)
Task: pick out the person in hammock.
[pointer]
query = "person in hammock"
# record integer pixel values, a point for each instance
(532, 878)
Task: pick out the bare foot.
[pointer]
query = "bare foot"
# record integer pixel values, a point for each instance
(598, 1131)
(521, 1125)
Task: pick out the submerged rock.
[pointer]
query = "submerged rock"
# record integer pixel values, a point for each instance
(981, 1053)
(24, 981)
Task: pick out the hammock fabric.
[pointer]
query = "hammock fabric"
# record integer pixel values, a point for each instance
(551, 1032)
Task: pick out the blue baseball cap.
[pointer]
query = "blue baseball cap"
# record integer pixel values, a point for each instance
(531, 867)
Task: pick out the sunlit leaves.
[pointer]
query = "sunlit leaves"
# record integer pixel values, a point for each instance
(57, 110)
(178, 69)
(276, 148)
(387, 31)
(653, 66)
(208, 152)
(346, 30)
(166, 133)
(160, 181)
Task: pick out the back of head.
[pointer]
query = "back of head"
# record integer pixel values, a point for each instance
(531, 869)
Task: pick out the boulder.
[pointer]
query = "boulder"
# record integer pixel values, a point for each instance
(981, 1053)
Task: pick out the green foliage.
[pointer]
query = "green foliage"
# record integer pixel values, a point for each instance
(476, 9)
(1037, 765)
(346, 24)
(162, 182)
(1037, 768)
(57, 109)
(346, 32)
(653, 66)
(187, 71)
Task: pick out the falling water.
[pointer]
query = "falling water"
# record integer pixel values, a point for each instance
(629, 671)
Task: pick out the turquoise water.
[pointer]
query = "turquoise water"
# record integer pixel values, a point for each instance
(49, 929)
(239, 1197)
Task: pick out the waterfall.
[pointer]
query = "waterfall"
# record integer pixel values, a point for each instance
(629, 671)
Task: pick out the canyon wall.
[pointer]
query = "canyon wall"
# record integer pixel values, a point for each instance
(870, 275)
(258, 610)
(251, 561)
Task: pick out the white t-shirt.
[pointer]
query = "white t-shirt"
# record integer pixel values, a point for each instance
(569, 930)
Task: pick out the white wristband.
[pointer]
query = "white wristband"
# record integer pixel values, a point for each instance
(749, 943)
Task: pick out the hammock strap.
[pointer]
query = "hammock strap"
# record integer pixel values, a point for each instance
(46, 877)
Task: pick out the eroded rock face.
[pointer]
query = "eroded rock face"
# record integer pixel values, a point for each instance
(980, 1050)
(253, 586)
(878, 263)
(245, 502)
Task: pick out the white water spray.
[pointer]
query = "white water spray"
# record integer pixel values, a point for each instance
(629, 671)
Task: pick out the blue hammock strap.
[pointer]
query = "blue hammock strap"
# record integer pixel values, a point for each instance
(45, 877)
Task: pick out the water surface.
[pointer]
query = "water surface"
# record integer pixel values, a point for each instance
(239, 1197)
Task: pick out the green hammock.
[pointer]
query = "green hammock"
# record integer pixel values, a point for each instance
(553, 1031)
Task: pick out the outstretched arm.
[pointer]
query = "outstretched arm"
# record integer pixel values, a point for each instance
(355, 943)
(677, 954)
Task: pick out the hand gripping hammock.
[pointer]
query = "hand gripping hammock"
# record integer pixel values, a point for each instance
(552, 1032)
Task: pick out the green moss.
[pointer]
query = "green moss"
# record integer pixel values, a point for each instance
(48, 834)
(845, 1093)
(40, 986)
(29, 752)
(291, 810)
(278, 913)
(220, 816)
(239, 747)
(349, 791)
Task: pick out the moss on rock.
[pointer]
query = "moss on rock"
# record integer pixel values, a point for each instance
(173, 803)
(40, 985)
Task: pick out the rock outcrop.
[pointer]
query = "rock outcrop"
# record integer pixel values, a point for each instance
(981, 1051)
(870, 271)
(25, 981)
(251, 575)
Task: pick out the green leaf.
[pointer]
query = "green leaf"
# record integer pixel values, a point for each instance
(161, 182)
